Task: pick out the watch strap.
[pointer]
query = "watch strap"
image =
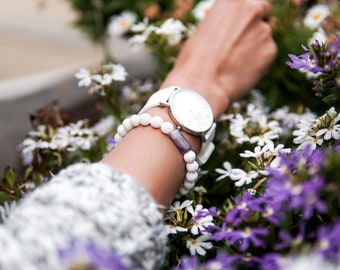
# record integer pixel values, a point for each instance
(160, 98)
(205, 152)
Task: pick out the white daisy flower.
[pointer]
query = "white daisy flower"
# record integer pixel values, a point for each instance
(137, 41)
(265, 138)
(28, 147)
(272, 156)
(256, 113)
(333, 130)
(61, 139)
(310, 141)
(120, 24)
(271, 151)
(241, 177)
(104, 126)
(224, 172)
(84, 76)
(178, 206)
(315, 15)
(319, 35)
(173, 30)
(140, 26)
(256, 154)
(201, 10)
(199, 225)
(199, 245)
(173, 229)
(304, 128)
(118, 72)
(237, 126)
(99, 79)
(82, 139)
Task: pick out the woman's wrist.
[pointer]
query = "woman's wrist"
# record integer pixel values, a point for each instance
(203, 84)
(194, 141)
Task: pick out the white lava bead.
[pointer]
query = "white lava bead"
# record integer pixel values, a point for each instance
(182, 191)
(134, 120)
(188, 185)
(118, 138)
(191, 177)
(192, 166)
(189, 156)
(156, 122)
(121, 131)
(145, 119)
(167, 127)
(127, 124)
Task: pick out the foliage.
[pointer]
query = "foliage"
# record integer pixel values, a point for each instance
(270, 191)
(94, 16)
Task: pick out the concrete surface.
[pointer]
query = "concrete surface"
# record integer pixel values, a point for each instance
(40, 52)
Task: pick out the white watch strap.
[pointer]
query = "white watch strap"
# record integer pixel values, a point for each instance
(205, 152)
(158, 98)
(161, 97)
(207, 146)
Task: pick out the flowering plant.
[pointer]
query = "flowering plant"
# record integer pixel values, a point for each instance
(268, 197)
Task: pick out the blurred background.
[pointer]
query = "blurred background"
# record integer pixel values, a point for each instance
(39, 53)
(37, 40)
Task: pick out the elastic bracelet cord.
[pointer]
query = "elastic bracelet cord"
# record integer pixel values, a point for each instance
(175, 135)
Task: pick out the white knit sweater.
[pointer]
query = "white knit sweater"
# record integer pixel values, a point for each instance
(87, 203)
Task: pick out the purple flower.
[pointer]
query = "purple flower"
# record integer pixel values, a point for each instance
(288, 240)
(320, 58)
(297, 184)
(336, 148)
(311, 201)
(334, 46)
(304, 62)
(270, 261)
(333, 52)
(188, 263)
(244, 238)
(273, 212)
(91, 257)
(111, 143)
(201, 214)
(222, 261)
(243, 209)
(328, 242)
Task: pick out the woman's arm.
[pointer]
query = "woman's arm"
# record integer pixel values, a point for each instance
(224, 58)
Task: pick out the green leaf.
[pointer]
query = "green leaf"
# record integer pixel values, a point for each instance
(330, 99)
(253, 165)
(10, 177)
(3, 197)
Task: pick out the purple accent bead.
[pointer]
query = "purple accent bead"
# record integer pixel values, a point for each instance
(180, 141)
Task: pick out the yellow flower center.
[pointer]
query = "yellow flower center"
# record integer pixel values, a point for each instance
(316, 16)
(123, 24)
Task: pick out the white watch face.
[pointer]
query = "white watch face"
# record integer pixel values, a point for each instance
(191, 111)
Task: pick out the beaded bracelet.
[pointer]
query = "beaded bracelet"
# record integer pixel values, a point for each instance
(174, 134)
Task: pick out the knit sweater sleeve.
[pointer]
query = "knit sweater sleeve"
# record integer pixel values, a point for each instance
(84, 203)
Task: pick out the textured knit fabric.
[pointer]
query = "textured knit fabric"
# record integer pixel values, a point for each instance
(87, 203)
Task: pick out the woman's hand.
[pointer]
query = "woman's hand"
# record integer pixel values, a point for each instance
(231, 49)
(224, 58)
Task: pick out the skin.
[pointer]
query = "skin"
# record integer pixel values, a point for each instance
(223, 60)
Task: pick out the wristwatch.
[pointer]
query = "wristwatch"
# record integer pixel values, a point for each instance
(190, 112)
